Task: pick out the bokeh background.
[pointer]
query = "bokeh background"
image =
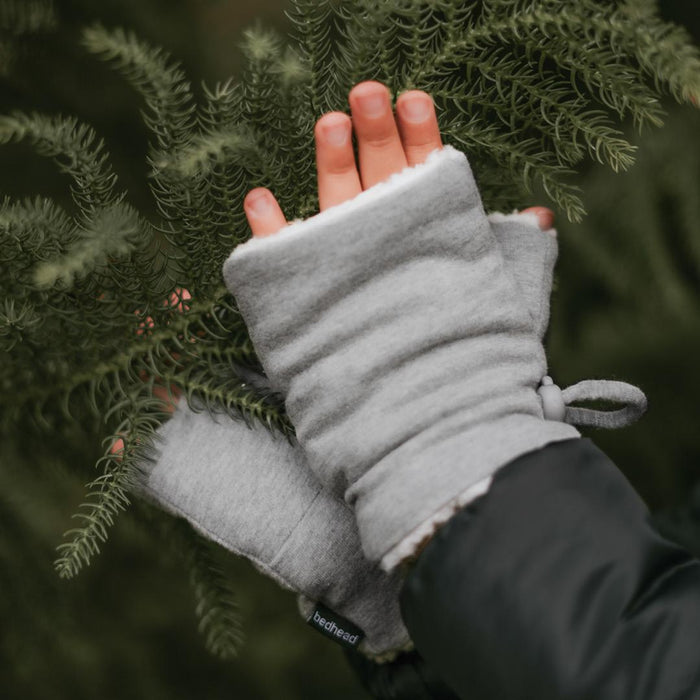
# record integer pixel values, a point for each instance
(626, 305)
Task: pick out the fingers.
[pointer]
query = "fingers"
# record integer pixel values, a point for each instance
(545, 217)
(379, 145)
(338, 179)
(168, 399)
(264, 214)
(418, 125)
(386, 144)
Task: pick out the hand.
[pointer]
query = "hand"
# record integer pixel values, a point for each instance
(213, 472)
(169, 399)
(404, 344)
(386, 146)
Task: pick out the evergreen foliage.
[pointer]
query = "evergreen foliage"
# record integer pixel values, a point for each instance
(20, 20)
(219, 620)
(629, 301)
(26, 16)
(93, 315)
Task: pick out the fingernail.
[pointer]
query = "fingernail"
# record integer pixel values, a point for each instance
(374, 104)
(117, 447)
(415, 109)
(259, 204)
(336, 134)
(545, 217)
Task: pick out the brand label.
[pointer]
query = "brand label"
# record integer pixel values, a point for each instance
(335, 627)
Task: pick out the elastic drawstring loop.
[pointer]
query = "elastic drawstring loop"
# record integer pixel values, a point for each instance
(632, 400)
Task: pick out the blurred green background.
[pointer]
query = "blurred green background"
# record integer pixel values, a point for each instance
(626, 306)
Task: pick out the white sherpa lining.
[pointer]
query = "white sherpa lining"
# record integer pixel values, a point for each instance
(409, 544)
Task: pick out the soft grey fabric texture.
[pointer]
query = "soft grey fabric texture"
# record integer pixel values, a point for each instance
(631, 398)
(407, 357)
(529, 255)
(252, 493)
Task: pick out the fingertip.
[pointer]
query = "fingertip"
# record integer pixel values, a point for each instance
(366, 88)
(418, 124)
(264, 214)
(117, 448)
(544, 216)
(415, 105)
(333, 136)
(338, 178)
(257, 201)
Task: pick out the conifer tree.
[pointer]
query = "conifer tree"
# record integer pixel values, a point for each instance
(93, 314)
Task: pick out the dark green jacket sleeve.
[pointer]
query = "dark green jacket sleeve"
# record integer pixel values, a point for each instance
(555, 585)
(406, 678)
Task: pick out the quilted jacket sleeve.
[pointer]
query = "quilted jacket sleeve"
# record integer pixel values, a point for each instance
(555, 585)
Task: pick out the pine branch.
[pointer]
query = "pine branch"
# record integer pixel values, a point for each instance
(22, 23)
(227, 171)
(665, 51)
(33, 230)
(313, 31)
(215, 603)
(162, 83)
(152, 352)
(207, 151)
(518, 160)
(18, 321)
(298, 160)
(655, 233)
(107, 495)
(113, 232)
(233, 396)
(170, 116)
(18, 17)
(76, 150)
(265, 110)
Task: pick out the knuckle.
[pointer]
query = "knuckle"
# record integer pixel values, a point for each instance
(383, 141)
(340, 171)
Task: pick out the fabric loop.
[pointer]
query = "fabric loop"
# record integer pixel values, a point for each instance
(631, 398)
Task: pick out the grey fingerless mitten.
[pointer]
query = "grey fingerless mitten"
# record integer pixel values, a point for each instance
(252, 493)
(407, 357)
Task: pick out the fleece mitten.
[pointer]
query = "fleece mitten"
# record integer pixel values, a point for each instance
(251, 492)
(408, 358)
